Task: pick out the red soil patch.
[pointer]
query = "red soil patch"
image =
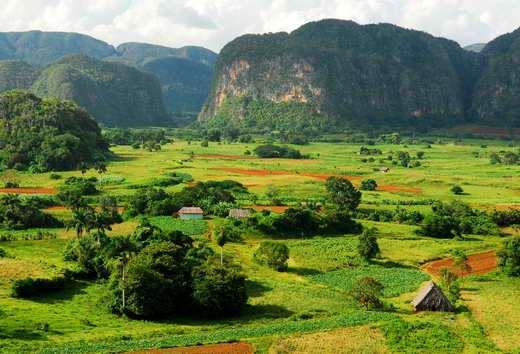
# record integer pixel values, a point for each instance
(28, 190)
(224, 348)
(225, 157)
(397, 189)
(273, 208)
(480, 263)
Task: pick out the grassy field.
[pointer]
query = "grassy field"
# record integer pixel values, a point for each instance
(307, 308)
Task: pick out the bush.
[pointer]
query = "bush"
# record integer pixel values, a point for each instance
(368, 247)
(3, 253)
(219, 291)
(504, 218)
(509, 257)
(31, 287)
(272, 254)
(54, 176)
(367, 292)
(440, 226)
(368, 185)
(17, 213)
(457, 190)
(275, 151)
(342, 194)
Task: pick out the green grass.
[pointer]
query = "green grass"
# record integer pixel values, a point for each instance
(396, 280)
(189, 227)
(312, 295)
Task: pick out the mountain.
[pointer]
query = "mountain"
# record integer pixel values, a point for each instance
(41, 48)
(496, 99)
(114, 94)
(185, 83)
(17, 74)
(477, 47)
(184, 73)
(137, 54)
(348, 73)
(182, 92)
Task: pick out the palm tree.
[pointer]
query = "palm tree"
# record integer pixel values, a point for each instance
(82, 220)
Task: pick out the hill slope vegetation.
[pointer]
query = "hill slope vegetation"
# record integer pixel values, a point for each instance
(367, 75)
(47, 134)
(115, 94)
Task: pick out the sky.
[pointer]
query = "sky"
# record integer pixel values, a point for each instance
(213, 23)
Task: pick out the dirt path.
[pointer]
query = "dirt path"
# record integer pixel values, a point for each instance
(224, 348)
(273, 208)
(28, 190)
(480, 263)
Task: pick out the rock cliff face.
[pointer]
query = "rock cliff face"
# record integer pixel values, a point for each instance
(353, 73)
(497, 95)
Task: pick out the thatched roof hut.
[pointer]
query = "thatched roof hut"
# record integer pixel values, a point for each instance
(431, 298)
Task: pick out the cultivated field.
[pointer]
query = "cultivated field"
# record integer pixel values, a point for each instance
(307, 308)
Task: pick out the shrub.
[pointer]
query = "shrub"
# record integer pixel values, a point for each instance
(272, 254)
(342, 194)
(368, 185)
(3, 253)
(509, 257)
(218, 290)
(17, 213)
(11, 184)
(457, 190)
(368, 247)
(275, 151)
(440, 226)
(504, 218)
(367, 292)
(35, 287)
(54, 176)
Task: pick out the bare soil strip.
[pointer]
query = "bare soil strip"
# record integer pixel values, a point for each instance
(480, 263)
(28, 190)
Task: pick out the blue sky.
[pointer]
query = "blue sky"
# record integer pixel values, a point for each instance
(213, 23)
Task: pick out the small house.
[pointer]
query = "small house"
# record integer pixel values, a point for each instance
(191, 213)
(431, 298)
(239, 213)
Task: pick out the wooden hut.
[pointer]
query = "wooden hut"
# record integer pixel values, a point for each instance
(191, 213)
(431, 298)
(239, 213)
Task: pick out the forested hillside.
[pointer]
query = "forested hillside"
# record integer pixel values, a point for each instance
(184, 74)
(47, 134)
(366, 76)
(115, 94)
(496, 99)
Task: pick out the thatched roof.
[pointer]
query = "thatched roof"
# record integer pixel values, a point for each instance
(239, 213)
(191, 210)
(431, 298)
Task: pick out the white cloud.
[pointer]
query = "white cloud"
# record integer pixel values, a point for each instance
(212, 23)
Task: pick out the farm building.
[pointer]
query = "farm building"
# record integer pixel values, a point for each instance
(239, 213)
(431, 298)
(191, 213)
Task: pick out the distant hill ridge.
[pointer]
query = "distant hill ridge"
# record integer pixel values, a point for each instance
(363, 75)
(34, 60)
